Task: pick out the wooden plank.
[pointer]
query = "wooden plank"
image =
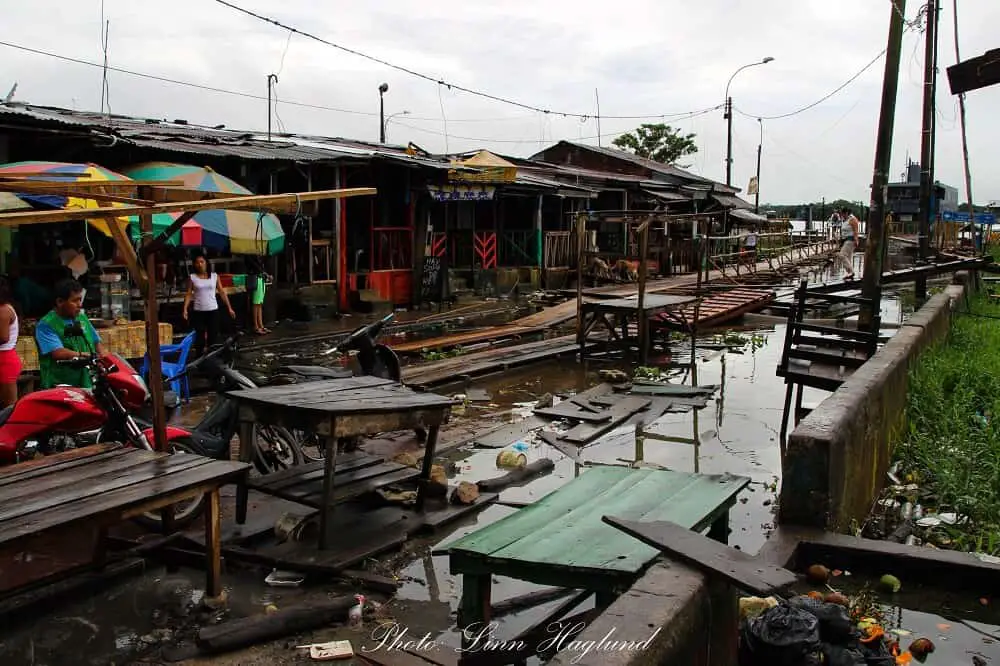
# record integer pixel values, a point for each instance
(573, 411)
(707, 555)
(619, 413)
(155, 466)
(314, 470)
(436, 516)
(243, 202)
(114, 503)
(563, 531)
(372, 480)
(508, 433)
(66, 460)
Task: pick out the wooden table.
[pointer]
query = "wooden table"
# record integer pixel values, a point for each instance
(99, 486)
(334, 409)
(620, 310)
(562, 541)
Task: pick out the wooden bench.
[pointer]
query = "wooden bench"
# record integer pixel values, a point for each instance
(562, 541)
(98, 486)
(334, 409)
(614, 315)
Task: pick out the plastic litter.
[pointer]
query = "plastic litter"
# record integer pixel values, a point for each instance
(781, 636)
(329, 651)
(284, 579)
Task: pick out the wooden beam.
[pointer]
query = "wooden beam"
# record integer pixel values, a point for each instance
(165, 235)
(124, 245)
(153, 339)
(256, 202)
(65, 192)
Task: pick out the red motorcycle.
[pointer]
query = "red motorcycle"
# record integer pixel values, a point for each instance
(52, 420)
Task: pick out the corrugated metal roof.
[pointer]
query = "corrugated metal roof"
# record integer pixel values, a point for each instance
(747, 215)
(731, 201)
(666, 196)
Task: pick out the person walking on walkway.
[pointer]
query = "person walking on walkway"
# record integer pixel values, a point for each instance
(203, 289)
(848, 241)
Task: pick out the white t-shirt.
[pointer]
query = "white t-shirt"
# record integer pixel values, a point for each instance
(12, 340)
(751, 240)
(204, 292)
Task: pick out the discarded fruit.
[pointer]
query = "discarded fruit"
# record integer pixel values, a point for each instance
(818, 574)
(920, 648)
(984, 601)
(818, 596)
(836, 572)
(890, 583)
(837, 598)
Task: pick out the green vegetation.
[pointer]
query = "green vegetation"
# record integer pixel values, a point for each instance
(952, 446)
(659, 142)
(435, 355)
(731, 339)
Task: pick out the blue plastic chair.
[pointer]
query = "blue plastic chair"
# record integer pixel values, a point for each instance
(173, 359)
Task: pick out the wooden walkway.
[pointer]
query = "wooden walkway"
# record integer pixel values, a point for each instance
(716, 309)
(445, 371)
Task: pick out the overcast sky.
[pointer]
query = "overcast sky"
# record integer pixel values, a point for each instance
(644, 57)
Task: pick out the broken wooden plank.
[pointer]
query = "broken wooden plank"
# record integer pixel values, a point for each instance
(571, 451)
(707, 555)
(564, 411)
(506, 434)
(529, 600)
(620, 412)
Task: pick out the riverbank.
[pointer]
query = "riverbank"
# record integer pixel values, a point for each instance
(949, 457)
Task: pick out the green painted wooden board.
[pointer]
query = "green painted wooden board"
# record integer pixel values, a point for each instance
(564, 530)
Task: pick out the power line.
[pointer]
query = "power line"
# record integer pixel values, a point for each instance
(225, 91)
(820, 100)
(434, 79)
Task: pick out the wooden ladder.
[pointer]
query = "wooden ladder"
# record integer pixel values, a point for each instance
(832, 350)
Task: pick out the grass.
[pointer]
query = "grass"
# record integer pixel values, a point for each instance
(952, 444)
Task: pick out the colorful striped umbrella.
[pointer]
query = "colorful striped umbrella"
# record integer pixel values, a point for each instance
(70, 173)
(236, 231)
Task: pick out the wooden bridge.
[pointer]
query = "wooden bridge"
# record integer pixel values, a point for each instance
(715, 309)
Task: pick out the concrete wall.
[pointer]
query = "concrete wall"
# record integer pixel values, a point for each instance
(837, 457)
(694, 621)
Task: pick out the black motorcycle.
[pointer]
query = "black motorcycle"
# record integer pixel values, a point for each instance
(275, 448)
(374, 359)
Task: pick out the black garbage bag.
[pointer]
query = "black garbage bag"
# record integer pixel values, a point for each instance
(839, 655)
(780, 636)
(834, 623)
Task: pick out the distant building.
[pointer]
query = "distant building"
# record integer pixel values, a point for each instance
(904, 199)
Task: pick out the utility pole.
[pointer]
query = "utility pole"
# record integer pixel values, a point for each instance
(270, 78)
(729, 141)
(927, 143)
(597, 98)
(871, 282)
(756, 201)
(965, 138)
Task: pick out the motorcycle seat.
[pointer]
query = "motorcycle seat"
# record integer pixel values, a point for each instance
(5, 414)
(316, 371)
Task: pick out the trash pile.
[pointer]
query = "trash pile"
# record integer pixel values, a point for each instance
(812, 630)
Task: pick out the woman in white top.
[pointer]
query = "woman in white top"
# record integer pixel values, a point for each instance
(848, 241)
(10, 362)
(203, 289)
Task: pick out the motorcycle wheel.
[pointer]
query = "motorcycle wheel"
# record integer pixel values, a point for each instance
(184, 512)
(275, 449)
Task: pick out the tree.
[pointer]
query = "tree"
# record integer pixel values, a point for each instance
(659, 142)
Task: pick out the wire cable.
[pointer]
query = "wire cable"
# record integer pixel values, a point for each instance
(821, 99)
(433, 79)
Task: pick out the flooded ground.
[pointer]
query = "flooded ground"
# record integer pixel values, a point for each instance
(738, 433)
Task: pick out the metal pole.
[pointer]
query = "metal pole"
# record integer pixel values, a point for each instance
(381, 117)
(756, 202)
(269, 106)
(729, 140)
(965, 138)
(927, 145)
(872, 276)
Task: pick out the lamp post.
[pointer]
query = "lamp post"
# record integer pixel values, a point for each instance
(385, 125)
(729, 118)
(756, 201)
(382, 90)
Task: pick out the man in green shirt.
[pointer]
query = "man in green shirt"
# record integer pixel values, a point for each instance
(65, 333)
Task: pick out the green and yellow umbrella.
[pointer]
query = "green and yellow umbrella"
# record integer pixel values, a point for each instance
(235, 231)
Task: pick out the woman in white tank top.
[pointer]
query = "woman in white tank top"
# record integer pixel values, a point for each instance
(203, 290)
(10, 362)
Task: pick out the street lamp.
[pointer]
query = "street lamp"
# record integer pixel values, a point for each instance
(756, 201)
(729, 118)
(382, 90)
(385, 125)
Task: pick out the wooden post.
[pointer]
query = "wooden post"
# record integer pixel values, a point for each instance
(581, 232)
(642, 321)
(153, 333)
(213, 543)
